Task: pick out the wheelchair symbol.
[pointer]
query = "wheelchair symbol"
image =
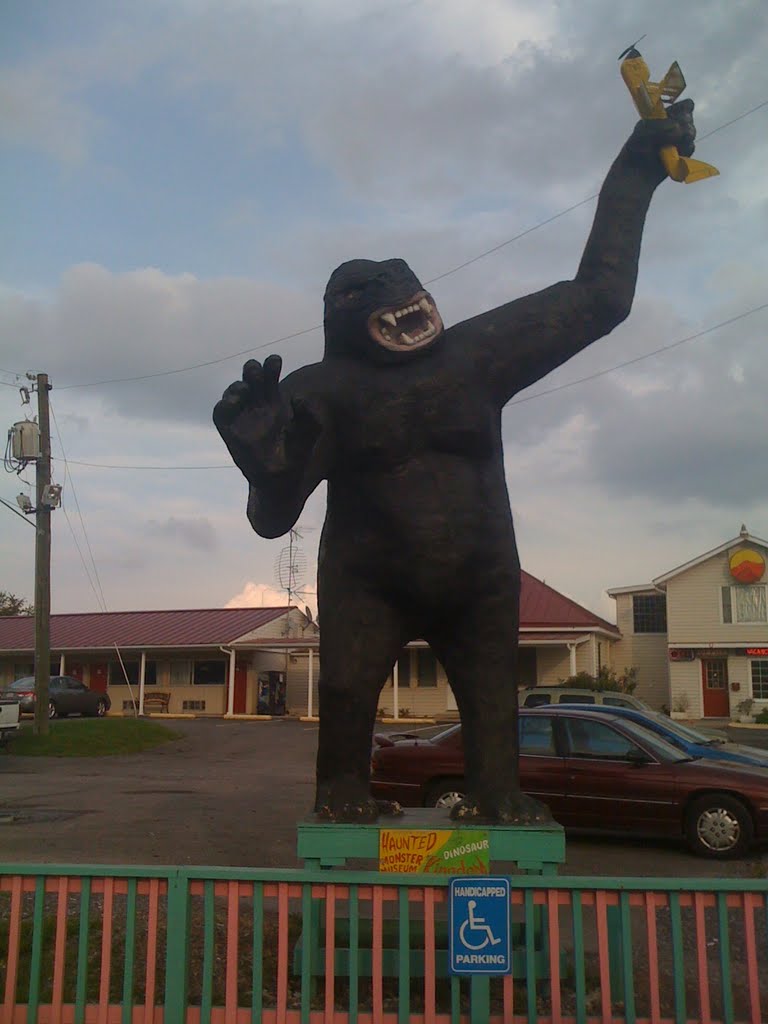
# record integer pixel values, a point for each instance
(476, 924)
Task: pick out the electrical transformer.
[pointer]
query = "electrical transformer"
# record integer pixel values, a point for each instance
(25, 440)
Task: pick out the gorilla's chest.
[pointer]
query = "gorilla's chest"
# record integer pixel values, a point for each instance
(387, 424)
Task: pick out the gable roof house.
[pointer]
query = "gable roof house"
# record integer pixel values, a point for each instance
(701, 629)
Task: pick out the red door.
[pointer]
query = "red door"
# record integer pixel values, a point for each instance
(714, 683)
(99, 677)
(241, 688)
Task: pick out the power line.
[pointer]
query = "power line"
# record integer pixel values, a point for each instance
(431, 280)
(518, 401)
(639, 359)
(104, 465)
(67, 474)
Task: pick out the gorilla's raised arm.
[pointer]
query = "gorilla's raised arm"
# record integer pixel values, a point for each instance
(522, 341)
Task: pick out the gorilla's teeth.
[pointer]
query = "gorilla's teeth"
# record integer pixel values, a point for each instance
(389, 318)
(407, 339)
(425, 306)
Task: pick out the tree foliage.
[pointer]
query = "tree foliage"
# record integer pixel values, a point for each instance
(606, 679)
(10, 604)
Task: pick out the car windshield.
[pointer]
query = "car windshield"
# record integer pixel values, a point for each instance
(683, 731)
(653, 742)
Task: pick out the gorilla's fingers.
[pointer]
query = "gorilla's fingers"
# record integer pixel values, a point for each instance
(272, 366)
(232, 401)
(253, 375)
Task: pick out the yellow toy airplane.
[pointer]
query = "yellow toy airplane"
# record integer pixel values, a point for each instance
(649, 98)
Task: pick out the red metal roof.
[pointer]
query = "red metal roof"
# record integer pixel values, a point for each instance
(542, 606)
(184, 627)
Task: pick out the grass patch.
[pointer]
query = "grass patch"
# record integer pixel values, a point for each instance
(91, 737)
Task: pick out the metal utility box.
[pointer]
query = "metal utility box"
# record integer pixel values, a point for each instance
(25, 440)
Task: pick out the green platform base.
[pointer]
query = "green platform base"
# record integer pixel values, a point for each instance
(527, 849)
(532, 849)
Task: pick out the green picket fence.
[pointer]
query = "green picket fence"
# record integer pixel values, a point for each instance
(132, 945)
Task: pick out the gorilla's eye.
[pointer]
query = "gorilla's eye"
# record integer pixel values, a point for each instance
(350, 296)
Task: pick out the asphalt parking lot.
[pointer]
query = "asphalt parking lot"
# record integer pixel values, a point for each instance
(230, 793)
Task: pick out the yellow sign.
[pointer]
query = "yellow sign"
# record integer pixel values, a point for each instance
(434, 851)
(747, 565)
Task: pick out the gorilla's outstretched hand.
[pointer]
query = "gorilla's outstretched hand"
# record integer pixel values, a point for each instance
(266, 433)
(649, 137)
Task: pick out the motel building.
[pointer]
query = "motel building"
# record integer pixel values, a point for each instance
(698, 634)
(264, 661)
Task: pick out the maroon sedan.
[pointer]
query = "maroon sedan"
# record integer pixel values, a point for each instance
(596, 772)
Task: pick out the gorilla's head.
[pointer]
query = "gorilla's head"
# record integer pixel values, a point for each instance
(378, 310)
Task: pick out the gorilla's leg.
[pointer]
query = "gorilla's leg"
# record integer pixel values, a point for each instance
(361, 637)
(479, 654)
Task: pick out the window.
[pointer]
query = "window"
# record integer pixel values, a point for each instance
(744, 604)
(426, 667)
(210, 673)
(537, 700)
(132, 670)
(594, 739)
(576, 698)
(181, 673)
(649, 613)
(759, 679)
(617, 702)
(537, 736)
(23, 669)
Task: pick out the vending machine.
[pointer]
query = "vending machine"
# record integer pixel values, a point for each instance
(271, 697)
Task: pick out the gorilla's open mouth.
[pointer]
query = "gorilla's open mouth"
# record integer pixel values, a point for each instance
(413, 325)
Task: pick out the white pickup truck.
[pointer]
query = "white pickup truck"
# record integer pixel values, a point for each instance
(9, 719)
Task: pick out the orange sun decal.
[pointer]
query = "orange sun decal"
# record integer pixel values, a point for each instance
(747, 565)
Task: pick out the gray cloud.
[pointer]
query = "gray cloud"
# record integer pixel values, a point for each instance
(198, 534)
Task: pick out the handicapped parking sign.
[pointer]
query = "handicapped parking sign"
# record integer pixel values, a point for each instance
(478, 941)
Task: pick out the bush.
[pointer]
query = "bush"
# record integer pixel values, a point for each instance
(762, 718)
(606, 679)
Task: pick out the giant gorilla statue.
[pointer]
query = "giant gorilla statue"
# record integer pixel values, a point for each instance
(402, 417)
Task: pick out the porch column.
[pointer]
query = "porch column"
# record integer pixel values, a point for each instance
(142, 678)
(310, 682)
(62, 665)
(395, 691)
(572, 654)
(231, 690)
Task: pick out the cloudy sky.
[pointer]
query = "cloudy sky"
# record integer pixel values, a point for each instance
(180, 177)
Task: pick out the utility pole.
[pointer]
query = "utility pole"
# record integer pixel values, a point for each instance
(43, 561)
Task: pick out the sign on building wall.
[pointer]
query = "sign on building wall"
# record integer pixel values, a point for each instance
(746, 565)
(434, 851)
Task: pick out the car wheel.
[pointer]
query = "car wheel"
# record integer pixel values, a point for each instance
(101, 709)
(445, 793)
(52, 710)
(718, 826)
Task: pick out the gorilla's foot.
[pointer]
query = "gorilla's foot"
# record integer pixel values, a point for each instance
(514, 808)
(347, 800)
